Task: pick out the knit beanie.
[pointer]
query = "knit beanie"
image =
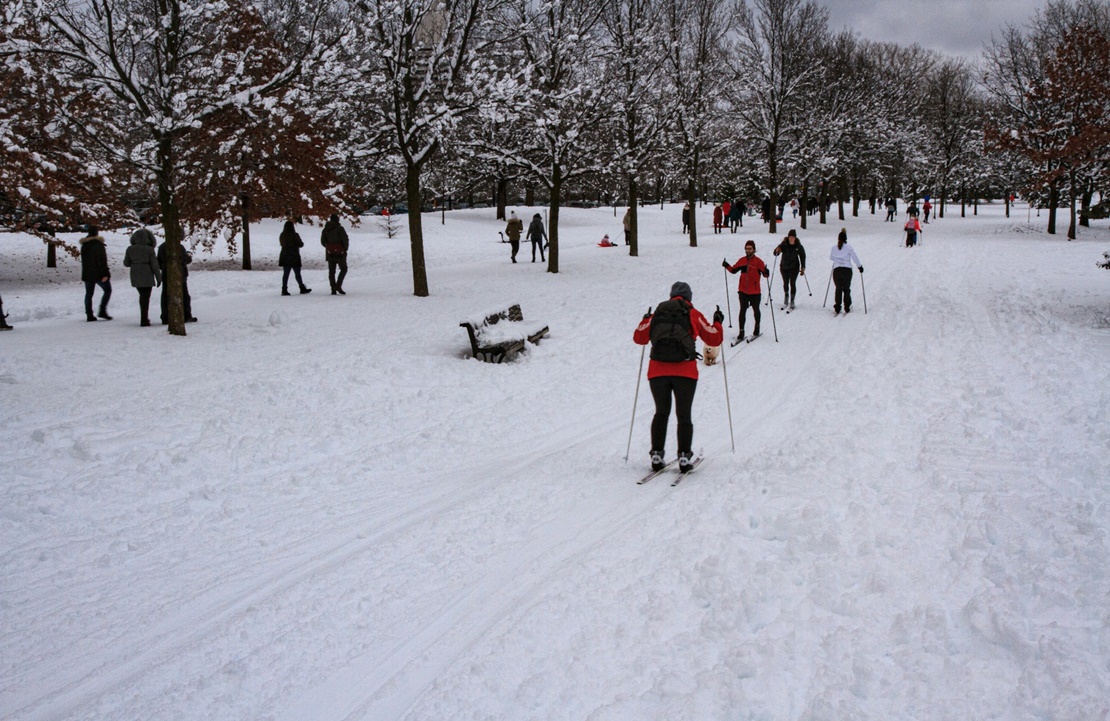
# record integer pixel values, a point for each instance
(682, 290)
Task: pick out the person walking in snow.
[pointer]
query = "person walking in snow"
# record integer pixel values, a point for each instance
(290, 257)
(726, 212)
(184, 261)
(145, 273)
(736, 215)
(3, 317)
(94, 272)
(843, 256)
(686, 218)
(751, 268)
(926, 207)
(792, 264)
(513, 229)
(912, 229)
(673, 330)
(537, 235)
(891, 209)
(336, 244)
(627, 223)
(718, 218)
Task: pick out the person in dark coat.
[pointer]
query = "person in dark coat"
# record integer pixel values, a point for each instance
(513, 229)
(336, 243)
(537, 235)
(3, 317)
(686, 218)
(736, 215)
(145, 273)
(186, 259)
(94, 272)
(792, 264)
(290, 257)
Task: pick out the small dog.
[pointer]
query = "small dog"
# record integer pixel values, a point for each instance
(710, 353)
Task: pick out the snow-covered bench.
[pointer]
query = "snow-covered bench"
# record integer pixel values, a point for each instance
(501, 334)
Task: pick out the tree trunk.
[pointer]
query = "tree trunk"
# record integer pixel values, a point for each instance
(963, 201)
(823, 201)
(773, 173)
(245, 202)
(855, 197)
(416, 232)
(633, 202)
(171, 226)
(943, 195)
(1007, 205)
(841, 192)
(553, 221)
(1085, 208)
(1053, 201)
(804, 201)
(874, 196)
(692, 199)
(1071, 209)
(502, 197)
(529, 196)
(51, 252)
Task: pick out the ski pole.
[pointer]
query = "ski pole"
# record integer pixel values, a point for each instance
(728, 301)
(771, 280)
(636, 398)
(807, 285)
(773, 326)
(827, 286)
(864, 289)
(728, 401)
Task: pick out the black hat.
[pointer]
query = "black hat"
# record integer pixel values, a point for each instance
(681, 289)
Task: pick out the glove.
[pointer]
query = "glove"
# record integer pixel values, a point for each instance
(803, 271)
(718, 316)
(724, 264)
(766, 273)
(861, 269)
(648, 314)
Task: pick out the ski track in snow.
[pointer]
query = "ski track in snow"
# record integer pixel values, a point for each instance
(304, 513)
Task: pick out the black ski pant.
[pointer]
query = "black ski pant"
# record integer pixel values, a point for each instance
(682, 390)
(842, 279)
(340, 262)
(90, 286)
(186, 300)
(144, 304)
(515, 245)
(538, 244)
(750, 300)
(789, 284)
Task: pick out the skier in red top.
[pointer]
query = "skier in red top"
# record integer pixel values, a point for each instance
(673, 331)
(750, 268)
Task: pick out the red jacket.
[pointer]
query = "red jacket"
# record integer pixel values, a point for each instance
(711, 333)
(749, 279)
(718, 215)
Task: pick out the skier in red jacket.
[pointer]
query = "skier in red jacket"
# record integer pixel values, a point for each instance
(750, 268)
(673, 331)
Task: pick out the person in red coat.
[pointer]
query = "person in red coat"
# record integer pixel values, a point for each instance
(750, 268)
(718, 218)
(673, 331)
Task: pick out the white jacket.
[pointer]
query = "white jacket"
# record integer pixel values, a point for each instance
(844, 257)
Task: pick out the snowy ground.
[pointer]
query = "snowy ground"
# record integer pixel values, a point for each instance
(316, 508)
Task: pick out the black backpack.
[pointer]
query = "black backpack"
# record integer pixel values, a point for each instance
(671, 338)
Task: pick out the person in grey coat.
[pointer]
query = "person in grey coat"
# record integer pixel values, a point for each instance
(537, 235)
(142, 259)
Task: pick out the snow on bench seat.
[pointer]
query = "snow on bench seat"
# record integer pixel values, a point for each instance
(501, 333)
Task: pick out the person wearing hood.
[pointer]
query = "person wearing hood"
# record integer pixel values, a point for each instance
(336, 243)
(183, 263)
(94, 272)
(843, 256)
(537, 235)
(145, 273)
(513, 229)
(673, 330)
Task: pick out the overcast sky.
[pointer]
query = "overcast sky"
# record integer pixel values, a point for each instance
(955, 27)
